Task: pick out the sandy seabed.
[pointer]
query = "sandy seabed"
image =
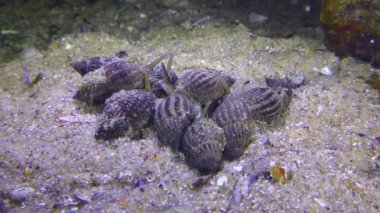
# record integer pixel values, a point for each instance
(329, 138)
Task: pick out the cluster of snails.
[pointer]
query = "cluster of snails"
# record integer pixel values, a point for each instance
(194, 112)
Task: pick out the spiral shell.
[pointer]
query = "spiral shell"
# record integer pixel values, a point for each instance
(156, 79)
(172, 116)
(204, 85)
(234, 116)
(88, 65)
(265, 103)
(203, 144)
(230, 110)
(111, 75)
(123, 74)
(125, 111)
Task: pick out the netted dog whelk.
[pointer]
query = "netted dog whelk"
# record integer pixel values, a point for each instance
(174, 106)
(103, 76)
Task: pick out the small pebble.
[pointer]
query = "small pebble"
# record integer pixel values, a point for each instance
(122, 54)
(238, 168)
(22, 193)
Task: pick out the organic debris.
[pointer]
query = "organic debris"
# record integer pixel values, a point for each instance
(279, 174)
(374, 80)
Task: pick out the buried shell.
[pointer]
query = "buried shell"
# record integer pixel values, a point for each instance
(266, 104)
(172, 116)
(234, 116)
(88, 65)
(203, 145)
(94, 88)
(204, 85)
(292, 80)
(125, 111)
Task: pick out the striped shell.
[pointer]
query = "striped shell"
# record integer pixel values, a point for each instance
(234, 116)
(265, 103)
(204, 85)
(116, 75)
(125, 111)
(172, 116)
(156, 79)
(238, 136)
(230, 110)
(123, 74)
(203, 145)
(88, 65)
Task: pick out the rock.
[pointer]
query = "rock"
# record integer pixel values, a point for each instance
(352, 27)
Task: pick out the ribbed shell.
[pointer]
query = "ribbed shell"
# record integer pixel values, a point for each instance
(238, 137)
(172, 116)
(232, 109)
(204, 85)
(156, 79)
(125, 110)
(234, 116)
(88, 65)
(203, 145)
(265, 103)
(123, 74)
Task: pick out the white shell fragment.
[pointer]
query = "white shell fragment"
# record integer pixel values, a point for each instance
(326, 71)
(223, 180)
(321, 202)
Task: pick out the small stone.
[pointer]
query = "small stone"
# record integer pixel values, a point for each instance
(238, 168)
(22, 193)
(255, 18)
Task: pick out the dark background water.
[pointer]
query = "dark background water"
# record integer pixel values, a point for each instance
(26, 23)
